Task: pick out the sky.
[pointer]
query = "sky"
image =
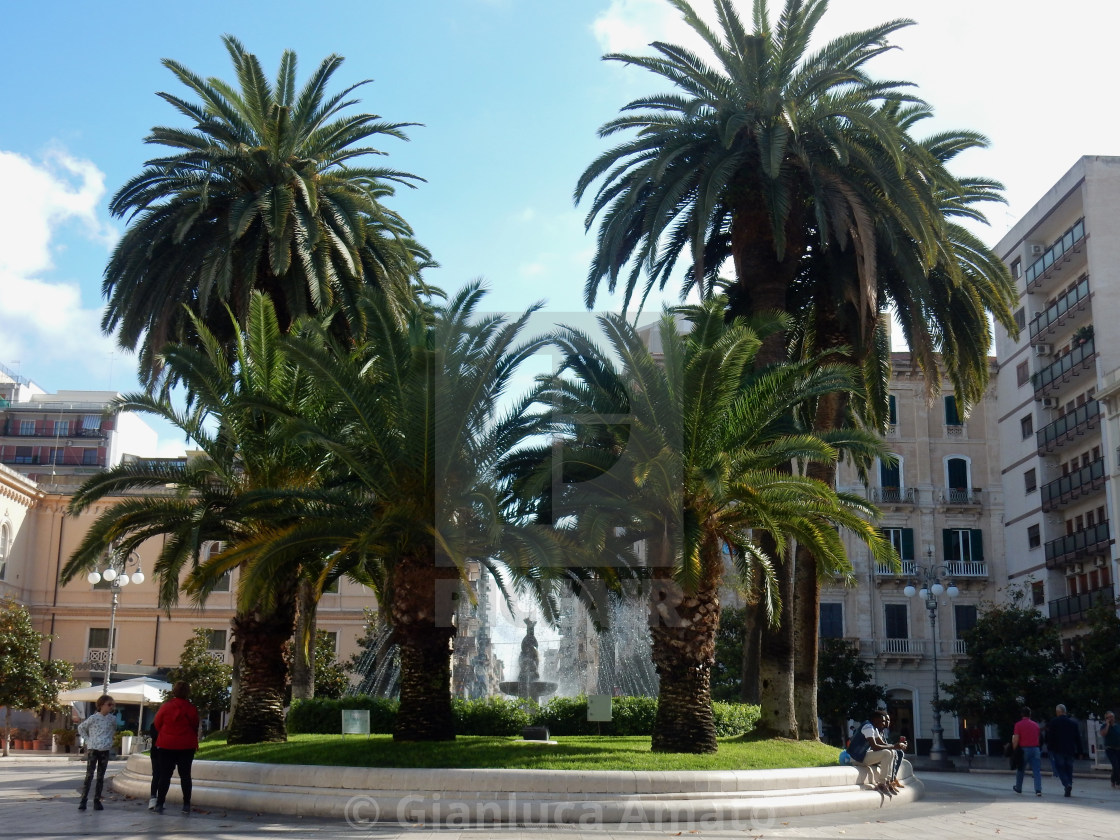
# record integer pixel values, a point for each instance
(508, 94)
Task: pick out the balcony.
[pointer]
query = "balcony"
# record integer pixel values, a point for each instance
(1057, 257)
(968, 569)
(908, 569)
(914, 648)
(894, 496)
(961, 498)
(1074, 608)
(1087, 542)
(1068, 427)
(900, 647)
(1062, 311)
(1068, 366)
(1061, 491)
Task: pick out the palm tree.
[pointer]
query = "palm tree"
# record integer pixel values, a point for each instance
(260, 193)
(695, 440)
(233, 493)
(417, 430)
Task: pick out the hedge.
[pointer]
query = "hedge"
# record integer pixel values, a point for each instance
(507, 716)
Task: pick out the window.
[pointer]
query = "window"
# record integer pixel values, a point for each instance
(952, 416)
(62, 427)
(99, 638)
(963, 545)
(332, 587)
(223, 583)
(5, 547)
(1038, 593)
(27, 427)
(956, 474)
(965, 618)
(901, 540)
(89, 457)
(215, 639)
(890, 475)
(1023, 373)
(91, 423)
(332, 640)
(832, 621)
(1030, 480)
(56, 455)
(208, 551)
(1026, 426)
(1017, 269)
(892, 410)
(895, 621)
(1034, 537)
(1020, 318)
(23, 455)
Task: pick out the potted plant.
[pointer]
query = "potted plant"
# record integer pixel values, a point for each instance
(36, 740)
(65, 739)
(122, 741)
(21, 738)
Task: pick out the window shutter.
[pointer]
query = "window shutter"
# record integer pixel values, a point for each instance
(892, 410)
(977, 545)
(952, 418)
(907, 543)
(947, 539)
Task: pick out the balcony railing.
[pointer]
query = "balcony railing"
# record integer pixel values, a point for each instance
(1055, 314)
(894, 495)
(1076, 607)
(962, 497)
(906, 647)
(1068, 241)
(915, 647)
(1084, 543)
(1070, 364)
(1062, 491)
(1068, 426)
(966, 568)
(908, 569)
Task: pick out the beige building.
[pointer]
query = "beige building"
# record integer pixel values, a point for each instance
(942, 508)
(1059, 394)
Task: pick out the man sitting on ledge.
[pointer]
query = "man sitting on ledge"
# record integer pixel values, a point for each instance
(882, 760)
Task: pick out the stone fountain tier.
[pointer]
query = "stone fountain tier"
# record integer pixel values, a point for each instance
(530, 690)
(528, 684)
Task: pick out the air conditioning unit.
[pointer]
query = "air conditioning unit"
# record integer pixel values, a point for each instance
(1076, 568)
(1050, 402)
(1044, 349)
(1099, 562)
(1035, 249)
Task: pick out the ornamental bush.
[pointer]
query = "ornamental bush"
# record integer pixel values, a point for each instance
(323, 715)
(489, 716)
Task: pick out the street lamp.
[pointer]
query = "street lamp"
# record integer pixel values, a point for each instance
(929, 577)
(116, 575)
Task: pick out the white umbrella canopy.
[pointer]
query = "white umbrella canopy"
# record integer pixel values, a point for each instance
(140, 690)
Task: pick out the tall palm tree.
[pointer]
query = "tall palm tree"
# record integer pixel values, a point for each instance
(262, 192)
(418, 427)
(696, 440)
(233, 493)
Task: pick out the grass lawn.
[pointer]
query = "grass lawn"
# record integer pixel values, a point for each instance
(572, 753)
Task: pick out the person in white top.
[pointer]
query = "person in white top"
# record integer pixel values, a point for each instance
(98, 730)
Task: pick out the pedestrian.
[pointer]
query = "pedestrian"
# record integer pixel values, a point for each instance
(869, 748)
(1110, 734)
(177, 725)
(1027, 736)
(98, 730)
(153, 755)
(1064, 741)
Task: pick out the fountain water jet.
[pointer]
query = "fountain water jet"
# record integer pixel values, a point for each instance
(528, 684)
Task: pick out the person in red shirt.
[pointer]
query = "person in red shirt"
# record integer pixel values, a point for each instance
(177, 725)
(1027, 736)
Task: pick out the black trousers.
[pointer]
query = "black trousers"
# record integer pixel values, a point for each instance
(95, 760)
(154, 755)
(168, 761)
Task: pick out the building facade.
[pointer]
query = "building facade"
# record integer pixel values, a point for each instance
(942, 509)
(1059, 395)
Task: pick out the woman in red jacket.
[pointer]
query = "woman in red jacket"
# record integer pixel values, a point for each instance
(177, 725)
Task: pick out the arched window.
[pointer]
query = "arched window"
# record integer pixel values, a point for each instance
(5, 547)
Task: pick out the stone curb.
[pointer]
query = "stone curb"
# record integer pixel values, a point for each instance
(364, 796)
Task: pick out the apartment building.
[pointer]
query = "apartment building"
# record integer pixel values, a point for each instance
(1059, 394)
(942, 509)
(61, 439)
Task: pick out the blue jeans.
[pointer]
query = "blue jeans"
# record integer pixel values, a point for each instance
(1033, 757)
(1063, 766)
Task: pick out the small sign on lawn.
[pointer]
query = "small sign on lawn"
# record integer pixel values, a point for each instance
(599, 707)
(355, 722)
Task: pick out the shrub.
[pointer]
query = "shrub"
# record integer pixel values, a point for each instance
(489, 716)
(633, 715)
(565, 716)
(66, 737)
(735, 718)
(323, 715)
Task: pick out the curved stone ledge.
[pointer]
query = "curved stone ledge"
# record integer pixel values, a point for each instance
(364, 796)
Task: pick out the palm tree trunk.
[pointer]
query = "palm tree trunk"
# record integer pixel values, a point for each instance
(684, 641)
(752, 653)
(422, 613)
(806, 617)
(262, 641)
(775, 672)
(303, 649)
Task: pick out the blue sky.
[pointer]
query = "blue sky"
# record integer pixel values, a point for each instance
(510, 93)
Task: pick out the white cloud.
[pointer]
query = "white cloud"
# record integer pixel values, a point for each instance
(629, 26)
(45, 319)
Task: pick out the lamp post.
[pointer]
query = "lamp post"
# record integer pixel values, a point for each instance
(929, 578)
(116, 574)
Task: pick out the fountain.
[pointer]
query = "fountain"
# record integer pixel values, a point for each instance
(528, 686)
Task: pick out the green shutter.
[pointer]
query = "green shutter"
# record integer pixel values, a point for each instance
(907, 543)
(947, 541)
(893, 410)
(977, 545)
(952, 418)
